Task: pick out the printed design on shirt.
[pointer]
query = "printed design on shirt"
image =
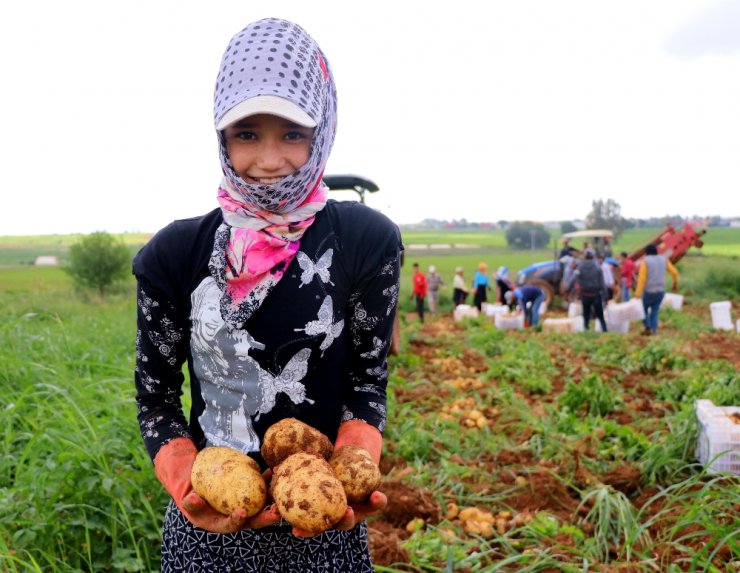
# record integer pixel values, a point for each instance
(379, 372)
(149, 427)
(392, 293)
(389, 268)
(146, 304)
(378, 346)
(370, 388)
(324, 325)
(164, 340)
(382, 413)
(361, 321)
(288, 382)
(311, 269)
(230, 379)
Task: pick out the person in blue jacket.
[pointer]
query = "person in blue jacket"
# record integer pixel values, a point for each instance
(530, 299)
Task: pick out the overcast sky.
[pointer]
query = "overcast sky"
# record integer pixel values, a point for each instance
(491, 110)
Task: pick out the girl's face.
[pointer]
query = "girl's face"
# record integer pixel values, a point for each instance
(265, 148)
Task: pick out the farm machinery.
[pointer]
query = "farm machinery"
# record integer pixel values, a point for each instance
(671, 242)
(361, 186)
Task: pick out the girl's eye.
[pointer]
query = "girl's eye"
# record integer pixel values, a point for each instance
(294, 136)
(245, 135)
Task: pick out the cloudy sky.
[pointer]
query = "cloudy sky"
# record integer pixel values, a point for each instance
(481, 110)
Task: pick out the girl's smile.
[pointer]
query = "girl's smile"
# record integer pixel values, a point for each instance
(266, 148)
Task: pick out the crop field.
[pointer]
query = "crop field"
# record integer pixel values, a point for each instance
(509, 451)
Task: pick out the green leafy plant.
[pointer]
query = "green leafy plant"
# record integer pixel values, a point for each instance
(615, 528)
(98, 261)
(592, 395)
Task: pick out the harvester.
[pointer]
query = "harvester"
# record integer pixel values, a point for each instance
(671, 242)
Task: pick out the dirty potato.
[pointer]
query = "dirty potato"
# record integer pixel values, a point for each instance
(307, 493)
(356, 470)
(289, 436)
(228, 479)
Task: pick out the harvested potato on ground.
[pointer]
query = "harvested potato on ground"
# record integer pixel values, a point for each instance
(355, 468)
(307, 493)
(228, 479)
(290, 436)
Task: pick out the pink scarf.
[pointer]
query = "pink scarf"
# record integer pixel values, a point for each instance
(263, 224)
(253, 249)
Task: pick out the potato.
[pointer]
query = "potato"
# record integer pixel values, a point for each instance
(356, 470)
(228, 479)
(289, 436)
(307, 493)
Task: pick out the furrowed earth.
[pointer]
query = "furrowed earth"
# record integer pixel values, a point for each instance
(521, 483)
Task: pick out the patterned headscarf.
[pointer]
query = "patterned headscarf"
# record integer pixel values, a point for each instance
(263, 224)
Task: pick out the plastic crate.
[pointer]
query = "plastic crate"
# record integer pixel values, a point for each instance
(559, 325)
(465, 311)
(507, 321)
(672, 300)
(492, 310)
(718, 445)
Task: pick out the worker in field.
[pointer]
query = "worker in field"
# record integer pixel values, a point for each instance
(567, 249)
(607, 269)
(589, 279)
(651, 286)
(503, 284)
(481, 286)
(627, 270)
(434, 285)
(419, 291)
(606, 250)
(460, 289)
(278, 301)
(529, 298)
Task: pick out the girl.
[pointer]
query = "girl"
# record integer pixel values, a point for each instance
(281, 302)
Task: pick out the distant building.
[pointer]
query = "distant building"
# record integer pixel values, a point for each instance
(46, 261)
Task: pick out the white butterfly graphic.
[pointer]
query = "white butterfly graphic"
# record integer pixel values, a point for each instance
(324, 325)
(288, 382)
(310, 269)
(378, 345)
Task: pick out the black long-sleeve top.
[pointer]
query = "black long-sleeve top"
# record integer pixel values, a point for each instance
(315, 350)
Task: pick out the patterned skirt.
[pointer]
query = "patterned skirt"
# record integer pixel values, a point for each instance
(186, 548)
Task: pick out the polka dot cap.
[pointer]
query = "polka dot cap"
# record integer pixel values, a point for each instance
(278, 58)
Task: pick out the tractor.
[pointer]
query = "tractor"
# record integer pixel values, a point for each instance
(548, 275)
(360, 185)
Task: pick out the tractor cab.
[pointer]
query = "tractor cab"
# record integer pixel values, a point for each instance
(597, 239)
(361, 186)
(355, 183)
(548, 275)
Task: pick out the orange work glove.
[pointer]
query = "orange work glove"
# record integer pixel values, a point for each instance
(358, 433)
(173, 465)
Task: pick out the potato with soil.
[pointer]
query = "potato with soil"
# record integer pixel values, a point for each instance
(290, 436)
(228, 479)
(307, 493)
(356, 470)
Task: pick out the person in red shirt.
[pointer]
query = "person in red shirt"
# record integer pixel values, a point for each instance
(420, 290)
(627, 269)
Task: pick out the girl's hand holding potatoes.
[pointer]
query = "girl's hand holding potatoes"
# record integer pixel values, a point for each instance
(314, 495)
(229, 492)
(173, 466)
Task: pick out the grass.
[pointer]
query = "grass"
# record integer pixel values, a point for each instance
(77, 490)
(76, 485)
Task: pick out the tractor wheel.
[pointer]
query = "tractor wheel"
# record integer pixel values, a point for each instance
(547, 288)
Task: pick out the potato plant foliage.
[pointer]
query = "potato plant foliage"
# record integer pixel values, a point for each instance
(518, 451)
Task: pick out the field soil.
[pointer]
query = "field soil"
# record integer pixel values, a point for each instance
(525, 483)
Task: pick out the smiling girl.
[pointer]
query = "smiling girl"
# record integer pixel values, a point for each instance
(305, 290)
